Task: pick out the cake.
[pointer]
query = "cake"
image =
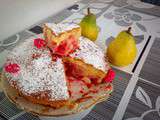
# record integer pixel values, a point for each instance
(58, 35)
(62, 79)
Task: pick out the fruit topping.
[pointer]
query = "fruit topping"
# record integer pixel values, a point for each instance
(39, 43)
(95, 80)
(66, 46)
(110, 76)
(12, 68)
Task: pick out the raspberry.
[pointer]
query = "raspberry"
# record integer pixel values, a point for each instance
(66, 46)
(39, 43)
(12, 68)
(110, 76)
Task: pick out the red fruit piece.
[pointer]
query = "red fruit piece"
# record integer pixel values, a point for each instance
(35, 56)
(86, 94)
(66, 46)
(54, 57)
(89, 85)
(95, 81)
(109, 87)
(94, 91)
(39, 43)
(12, 68)
(70, 93)
(89, 92)
(81, 91)
(110, 76)
(83, 99)
(86, 80)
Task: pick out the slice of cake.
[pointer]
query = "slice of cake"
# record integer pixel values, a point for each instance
(88, 63)
(80, 70)
(62, 39)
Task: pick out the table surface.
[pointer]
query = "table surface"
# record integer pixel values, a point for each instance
(136, 94)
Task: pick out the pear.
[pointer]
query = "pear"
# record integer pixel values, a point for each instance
(122, 50)
(89, 28)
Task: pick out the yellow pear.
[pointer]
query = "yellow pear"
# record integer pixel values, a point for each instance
(122, 50)
(89, 28)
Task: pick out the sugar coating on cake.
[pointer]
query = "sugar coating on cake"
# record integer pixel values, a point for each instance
(90, 53)
(60, 28)
(38, 74)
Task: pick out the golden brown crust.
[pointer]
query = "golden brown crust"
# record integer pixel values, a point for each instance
(45, 101)
(43, 110)
(42, 97)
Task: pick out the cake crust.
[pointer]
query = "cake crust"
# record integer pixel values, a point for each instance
(42, 110)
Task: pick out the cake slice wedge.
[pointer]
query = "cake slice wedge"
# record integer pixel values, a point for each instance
(62, 39)
(80, 70)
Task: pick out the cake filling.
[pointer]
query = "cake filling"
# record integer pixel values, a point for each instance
(66, 47)
(62, 39)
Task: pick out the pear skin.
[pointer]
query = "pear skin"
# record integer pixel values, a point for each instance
(89, 26)
(122, 50)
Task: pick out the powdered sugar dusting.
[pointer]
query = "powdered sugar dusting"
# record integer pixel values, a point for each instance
(59, 28)
(38, 74)
(91, 54)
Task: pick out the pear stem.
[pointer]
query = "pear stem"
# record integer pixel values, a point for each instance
(88, 11)
(129, 30)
